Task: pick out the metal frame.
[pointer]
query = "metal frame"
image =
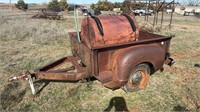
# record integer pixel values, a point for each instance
(48, 72)
(52, 71)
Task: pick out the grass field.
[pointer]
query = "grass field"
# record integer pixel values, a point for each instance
(26, 44)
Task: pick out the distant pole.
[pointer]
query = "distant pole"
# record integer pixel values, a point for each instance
(162, 17)
(66, 9)
(170, 24)
(10, 4)
(146, 12)
(157, 11)
(162, 13)
(154, 20)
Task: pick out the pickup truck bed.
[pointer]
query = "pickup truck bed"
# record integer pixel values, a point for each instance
(112, 64)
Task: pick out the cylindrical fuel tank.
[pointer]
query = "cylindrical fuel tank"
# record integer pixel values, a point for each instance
(109, 30)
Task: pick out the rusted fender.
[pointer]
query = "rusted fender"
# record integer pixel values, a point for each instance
(126, 59)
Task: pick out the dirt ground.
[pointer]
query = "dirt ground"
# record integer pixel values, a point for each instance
(26, 44)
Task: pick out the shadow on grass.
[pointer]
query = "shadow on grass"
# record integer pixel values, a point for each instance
(197, 65)
(179, 108)
(12, 94)
(41, 84)
(118, 103)
(38, 83)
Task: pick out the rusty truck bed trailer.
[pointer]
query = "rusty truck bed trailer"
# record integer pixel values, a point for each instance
(121, 57)
(96, 61)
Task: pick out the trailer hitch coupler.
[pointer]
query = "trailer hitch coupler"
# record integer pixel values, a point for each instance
(18, 77)
(24, 76)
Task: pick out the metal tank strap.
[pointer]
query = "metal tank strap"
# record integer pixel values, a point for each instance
(130, 21)
(98, 22)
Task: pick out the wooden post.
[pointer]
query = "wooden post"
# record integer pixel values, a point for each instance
(158, 8)
(162, 13)
(170, 24)
(162, 17)
(157, 12)
(148, 11)
(154, 20)
(66, 9)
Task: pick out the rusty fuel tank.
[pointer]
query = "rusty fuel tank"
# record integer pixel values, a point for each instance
(109, 30)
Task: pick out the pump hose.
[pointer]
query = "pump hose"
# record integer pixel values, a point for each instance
(76, 24)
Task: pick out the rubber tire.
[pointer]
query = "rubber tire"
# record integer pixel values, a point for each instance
(141, 67)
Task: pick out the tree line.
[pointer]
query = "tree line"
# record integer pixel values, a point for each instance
(125, 6)
(53, 5)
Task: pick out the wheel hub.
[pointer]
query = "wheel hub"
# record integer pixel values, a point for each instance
(136, 78)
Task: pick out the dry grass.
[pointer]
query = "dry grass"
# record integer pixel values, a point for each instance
(26, 44)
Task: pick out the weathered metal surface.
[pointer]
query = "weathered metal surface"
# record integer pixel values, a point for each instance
(126, 59)
(117, 29)
(66, 76)
(82, 52)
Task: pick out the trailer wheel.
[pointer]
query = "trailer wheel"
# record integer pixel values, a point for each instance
(138, 78)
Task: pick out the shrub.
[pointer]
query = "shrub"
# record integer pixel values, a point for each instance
(126, 7)
(117, 5)
(70, 7)
(54, 5)
(21, 5)
(63, 4)
(103, 6)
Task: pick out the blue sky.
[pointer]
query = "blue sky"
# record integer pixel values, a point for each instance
(70, 1)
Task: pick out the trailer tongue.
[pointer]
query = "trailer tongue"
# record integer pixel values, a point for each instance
(53, 72)
(113, 50)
